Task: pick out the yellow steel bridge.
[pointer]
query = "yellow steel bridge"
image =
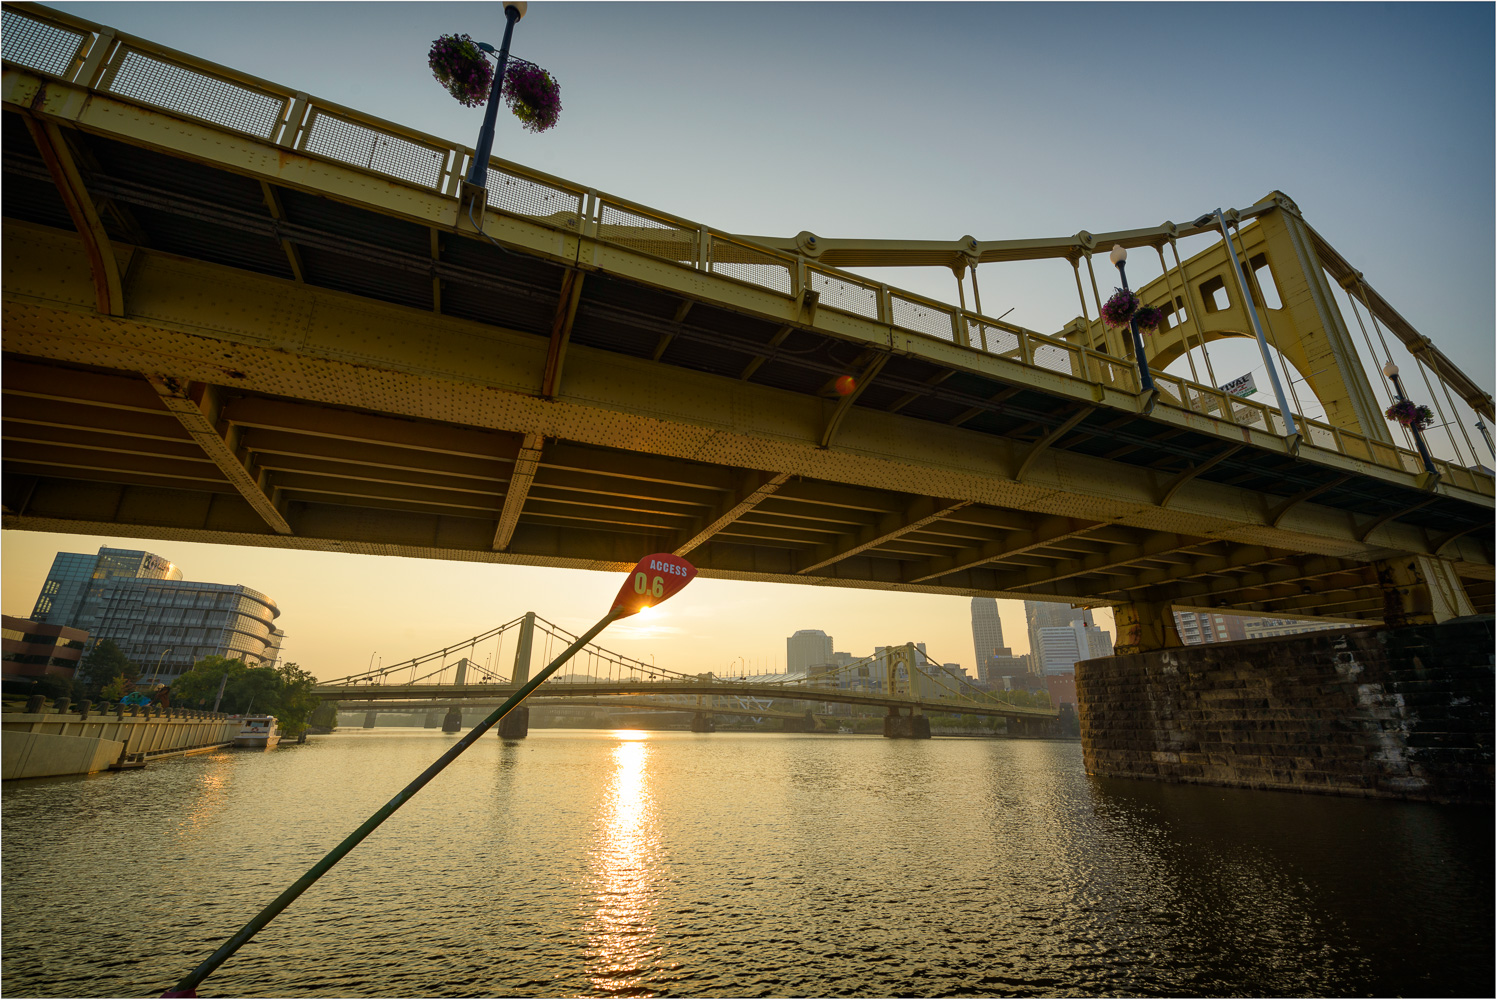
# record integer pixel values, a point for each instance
(236, 313)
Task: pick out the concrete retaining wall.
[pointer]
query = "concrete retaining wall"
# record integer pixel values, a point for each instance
(42, 744)
(1394, 713)
(43, 755)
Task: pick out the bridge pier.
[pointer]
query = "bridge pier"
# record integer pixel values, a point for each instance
(1144, 626)
(433, 719)
(369, 718)
(1420, 591)
(906, 727)
(452, 722)
(515, 725)
(1401, 713)
(805, 725)
(702, 722)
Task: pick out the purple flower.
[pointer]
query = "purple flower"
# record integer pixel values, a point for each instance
(1119, 309)
(532, 94)
(1149, 318)
(458, 65)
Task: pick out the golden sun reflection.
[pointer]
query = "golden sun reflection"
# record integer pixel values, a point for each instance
(212, 789)
(625, 865)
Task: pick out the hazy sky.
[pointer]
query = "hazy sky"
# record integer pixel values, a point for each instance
(895, 120)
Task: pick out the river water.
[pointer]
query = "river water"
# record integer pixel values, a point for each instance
(599, 863)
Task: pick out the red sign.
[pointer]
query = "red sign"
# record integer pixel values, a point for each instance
(655, 579)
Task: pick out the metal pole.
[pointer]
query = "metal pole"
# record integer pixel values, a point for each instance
(478, 174)
(1145, 380)
(1424, 456)
(186, 985)
(1483, 428)
(1247, 299)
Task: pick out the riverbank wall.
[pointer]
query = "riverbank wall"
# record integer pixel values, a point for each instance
(1391, 713)
(47, 744)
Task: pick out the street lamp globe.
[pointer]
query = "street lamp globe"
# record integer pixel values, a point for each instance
(518, 5)
(1118, 254)
(1390, 370)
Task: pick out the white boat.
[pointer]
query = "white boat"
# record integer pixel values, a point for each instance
(258, 731)
(843, 729)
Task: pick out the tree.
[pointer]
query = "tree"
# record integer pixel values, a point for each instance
(297, 703)
(106, 663)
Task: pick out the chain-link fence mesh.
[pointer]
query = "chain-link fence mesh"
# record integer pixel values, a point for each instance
(920, 317)
(166, 85)
(846, 296)
(339, 139)
(536, 199)
(646, 234)
(742, 263)
(47, 48)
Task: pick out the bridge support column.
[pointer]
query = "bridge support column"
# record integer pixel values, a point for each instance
(702, 722)
(1143, 627)
(369, 719)
(521, 672)
(453, 721)
(433, 719)
(906, 727)
(1420, 591)
(515, 725)
(805, 725)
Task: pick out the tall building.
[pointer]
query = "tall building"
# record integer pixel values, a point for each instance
(807, 648)
(74, 590)
(987, 634)
(33, 649)
(1263, 628)
(165, 626)
(1053, 614)
(1199, 627)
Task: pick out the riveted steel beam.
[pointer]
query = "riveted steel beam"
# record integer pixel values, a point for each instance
(754, 488)
(1158, 544)
(918, 515)
(561, 332)
(197, 406)
(1038, 448)
(844, 405)
(1196, 470)
(1047, 531)
(526, 463)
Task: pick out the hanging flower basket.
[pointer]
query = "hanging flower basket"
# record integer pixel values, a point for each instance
(458, 65)
(1149, 318)
(1119, 309)
(1410, 415)
(532, 94)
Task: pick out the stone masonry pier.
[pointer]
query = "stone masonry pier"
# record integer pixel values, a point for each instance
(1400, 713)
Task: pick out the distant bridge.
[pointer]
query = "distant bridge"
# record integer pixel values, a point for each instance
(897, 682)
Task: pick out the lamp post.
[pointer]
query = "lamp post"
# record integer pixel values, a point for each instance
(370, 668)
(156, 671)
(1119, 258)
(1486, 436)
(1391, 370)
(478, 174)
(1290, 430)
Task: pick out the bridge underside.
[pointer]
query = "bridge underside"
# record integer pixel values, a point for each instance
(282, 368)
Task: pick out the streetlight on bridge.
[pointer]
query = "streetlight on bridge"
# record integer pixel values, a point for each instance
(1391, 370)
(478, 174)
(156, 671)
(1119, 258)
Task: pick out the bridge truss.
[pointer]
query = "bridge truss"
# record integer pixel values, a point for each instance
(236, 313)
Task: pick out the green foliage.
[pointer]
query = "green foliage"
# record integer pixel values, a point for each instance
(105, 664)
(284, 692)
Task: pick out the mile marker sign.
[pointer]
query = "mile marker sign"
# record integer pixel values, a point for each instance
(654, 579)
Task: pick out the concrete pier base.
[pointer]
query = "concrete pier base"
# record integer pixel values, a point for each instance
(452, 722)
(1402, 713)
(515, 725)
(906, 727)
(701, 722)
(805, 725)
(432, 721)
(369, 718)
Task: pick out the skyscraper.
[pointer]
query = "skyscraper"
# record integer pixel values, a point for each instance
(987, 634)
(810, 647)
(74, 590)
(1052, 614)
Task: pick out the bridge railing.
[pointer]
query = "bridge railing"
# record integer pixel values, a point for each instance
(59, 45)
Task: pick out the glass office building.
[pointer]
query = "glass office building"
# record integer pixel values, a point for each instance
(166, 626)
(74, 591)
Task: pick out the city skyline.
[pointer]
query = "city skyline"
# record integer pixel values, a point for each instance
(992, 142)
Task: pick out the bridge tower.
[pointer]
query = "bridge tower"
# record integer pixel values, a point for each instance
(516, 725)
(914, 726)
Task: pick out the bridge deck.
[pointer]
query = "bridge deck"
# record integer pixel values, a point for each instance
(234, 330)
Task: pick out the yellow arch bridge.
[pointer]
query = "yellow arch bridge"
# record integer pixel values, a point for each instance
(901, 679)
